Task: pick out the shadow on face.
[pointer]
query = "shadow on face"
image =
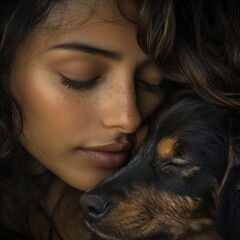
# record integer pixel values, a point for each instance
(169, 188)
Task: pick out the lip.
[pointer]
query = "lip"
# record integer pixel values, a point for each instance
(113, 155)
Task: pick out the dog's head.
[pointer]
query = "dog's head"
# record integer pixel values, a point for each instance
(168, 190)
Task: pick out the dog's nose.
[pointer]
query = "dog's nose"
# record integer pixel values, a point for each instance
(95, 207)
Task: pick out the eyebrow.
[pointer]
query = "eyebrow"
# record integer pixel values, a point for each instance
(87, 48)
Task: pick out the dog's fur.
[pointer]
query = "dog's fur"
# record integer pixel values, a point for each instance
(170, 187)
(228, 210)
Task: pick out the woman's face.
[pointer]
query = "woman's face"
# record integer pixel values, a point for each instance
(83, 87)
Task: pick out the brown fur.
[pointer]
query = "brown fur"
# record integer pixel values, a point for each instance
(173, 214)
(140, 136)
(165, 147)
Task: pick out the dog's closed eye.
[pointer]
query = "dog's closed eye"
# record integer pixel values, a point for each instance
(175, 162)
(180, 166)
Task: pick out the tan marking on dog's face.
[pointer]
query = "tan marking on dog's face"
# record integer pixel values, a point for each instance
(148, 212)
(191, 171)
(140, 136)
(166, 146)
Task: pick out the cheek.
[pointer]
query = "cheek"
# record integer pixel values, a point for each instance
(149, 102)
(50, 111)
(54, 124)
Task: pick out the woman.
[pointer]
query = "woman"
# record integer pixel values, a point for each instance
(197, 43)
(75, 86)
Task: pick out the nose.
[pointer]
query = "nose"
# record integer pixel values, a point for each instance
(122, 111)
(95, 207)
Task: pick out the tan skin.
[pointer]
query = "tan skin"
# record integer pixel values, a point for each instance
(62, 118)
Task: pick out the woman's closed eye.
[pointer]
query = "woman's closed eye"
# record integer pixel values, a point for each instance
(157, 88)
(80, 85)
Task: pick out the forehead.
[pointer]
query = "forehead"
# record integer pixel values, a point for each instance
(97, 22)
(68, 13)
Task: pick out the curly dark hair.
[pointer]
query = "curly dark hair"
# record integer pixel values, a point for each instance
(196, 43)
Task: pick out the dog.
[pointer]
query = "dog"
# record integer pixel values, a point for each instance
(169, 189)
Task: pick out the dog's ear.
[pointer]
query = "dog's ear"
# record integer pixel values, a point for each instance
(228, 209)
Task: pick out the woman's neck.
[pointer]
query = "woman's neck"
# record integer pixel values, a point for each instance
(58, 203)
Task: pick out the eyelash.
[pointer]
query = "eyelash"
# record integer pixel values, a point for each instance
(90, 84)
(79, 85)
(150, 87)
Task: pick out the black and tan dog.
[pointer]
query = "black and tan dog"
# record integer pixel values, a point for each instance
(170, 187)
